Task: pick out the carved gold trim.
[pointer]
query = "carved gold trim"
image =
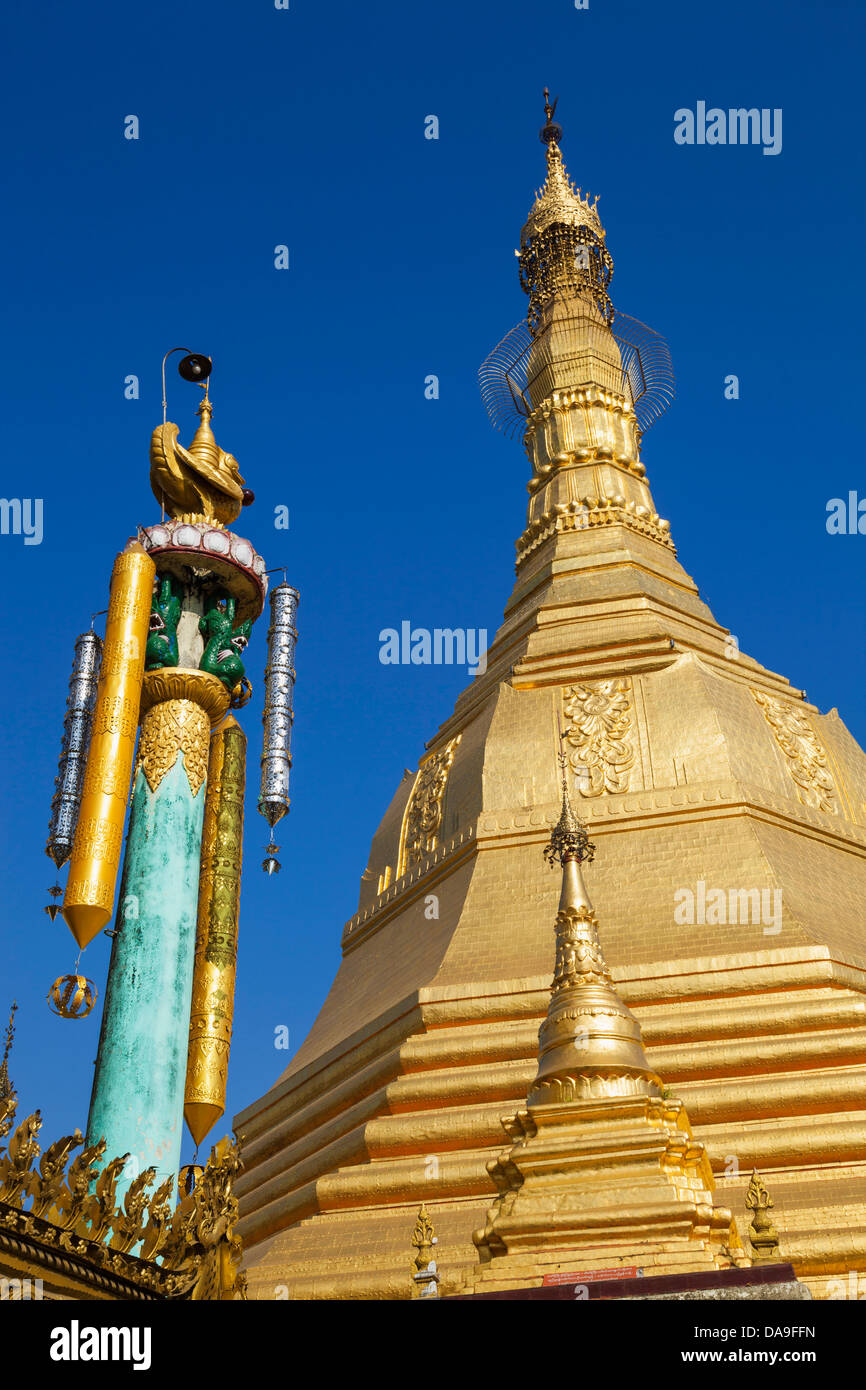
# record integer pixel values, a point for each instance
(63, 1218)
(578, 516)
(167, 729)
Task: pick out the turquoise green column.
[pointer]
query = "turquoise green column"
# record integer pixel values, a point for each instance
(138, 1089)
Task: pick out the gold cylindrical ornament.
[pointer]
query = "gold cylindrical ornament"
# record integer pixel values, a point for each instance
(216, 944)
(89, 898)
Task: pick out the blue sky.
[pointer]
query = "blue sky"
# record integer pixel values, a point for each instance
(305, 127)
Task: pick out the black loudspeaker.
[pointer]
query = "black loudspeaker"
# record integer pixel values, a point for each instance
(195, 367)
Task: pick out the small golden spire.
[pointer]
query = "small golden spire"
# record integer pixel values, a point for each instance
(203, 445)
(425, 1280)
(762, 1233)
(589, 1045)
(6, 1087)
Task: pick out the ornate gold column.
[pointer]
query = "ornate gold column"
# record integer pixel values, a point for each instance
(216, 944)
(89, 897)
(138, 1088)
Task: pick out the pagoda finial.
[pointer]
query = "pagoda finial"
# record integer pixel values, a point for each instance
(568, 839)
(551, 131)
(6, 1087)
(562, 247)
(203, 445)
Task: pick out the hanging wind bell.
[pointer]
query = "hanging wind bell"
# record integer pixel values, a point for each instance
(77, 725)
(278, 715)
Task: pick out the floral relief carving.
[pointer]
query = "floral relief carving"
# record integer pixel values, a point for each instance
(806, 759)
(424, 811)
(599, 731)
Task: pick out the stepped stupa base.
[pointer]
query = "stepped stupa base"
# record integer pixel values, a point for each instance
(608, 1184)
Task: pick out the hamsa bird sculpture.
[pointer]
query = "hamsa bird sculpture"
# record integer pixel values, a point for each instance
(201, 483)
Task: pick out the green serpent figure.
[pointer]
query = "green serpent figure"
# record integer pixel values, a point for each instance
(161, 649)
(222, 653)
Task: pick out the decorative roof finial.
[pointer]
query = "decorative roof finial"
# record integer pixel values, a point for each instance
(551, 131)
(6, 1087)
(568, 839)
(203, 445)
(426, 1276)
(763, 1235)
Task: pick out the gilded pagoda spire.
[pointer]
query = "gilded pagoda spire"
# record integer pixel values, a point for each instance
(562, 244)
(558, 201)
(589, 1043)
(601, 1163)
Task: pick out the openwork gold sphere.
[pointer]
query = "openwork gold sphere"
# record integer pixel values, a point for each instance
(72, 996)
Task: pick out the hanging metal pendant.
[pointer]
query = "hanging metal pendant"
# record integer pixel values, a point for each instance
(278, 713)
(72, 996)
(77, 725)
(271, 864)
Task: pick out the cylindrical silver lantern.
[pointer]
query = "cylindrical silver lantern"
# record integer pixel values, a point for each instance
(77, 725)
(278, 715)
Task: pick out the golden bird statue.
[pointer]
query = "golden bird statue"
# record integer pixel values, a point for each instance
(201, 483)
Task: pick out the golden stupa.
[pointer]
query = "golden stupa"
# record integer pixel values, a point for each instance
(730, 820)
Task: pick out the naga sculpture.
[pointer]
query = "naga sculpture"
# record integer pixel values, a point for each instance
(224, 643)
(161, 649)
